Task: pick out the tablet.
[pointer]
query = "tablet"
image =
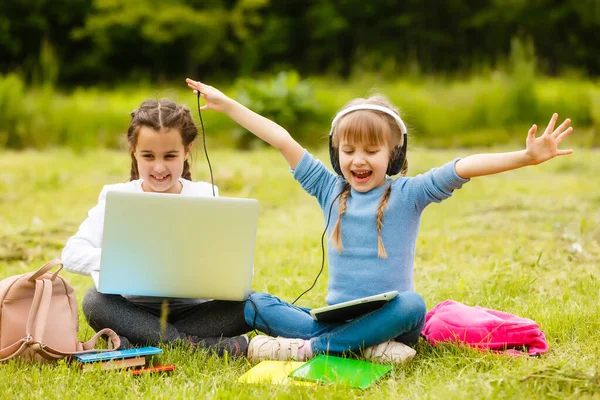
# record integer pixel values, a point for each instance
(351, 309)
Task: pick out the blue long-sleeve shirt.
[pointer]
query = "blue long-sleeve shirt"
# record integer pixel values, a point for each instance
(357, 271)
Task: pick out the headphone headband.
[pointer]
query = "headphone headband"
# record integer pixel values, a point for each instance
(373, 107)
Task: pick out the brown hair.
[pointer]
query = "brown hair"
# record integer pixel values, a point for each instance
(159, 115)
(368, 127)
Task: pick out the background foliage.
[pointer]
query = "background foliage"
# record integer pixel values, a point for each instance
(102, 41)
(493, 109)
(463, 72)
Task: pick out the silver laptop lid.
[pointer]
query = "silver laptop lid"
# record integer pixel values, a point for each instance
(178, 246)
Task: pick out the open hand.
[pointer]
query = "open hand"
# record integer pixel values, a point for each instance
(545, 147)
(215, 99)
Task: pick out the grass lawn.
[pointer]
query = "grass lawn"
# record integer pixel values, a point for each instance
(525, 242)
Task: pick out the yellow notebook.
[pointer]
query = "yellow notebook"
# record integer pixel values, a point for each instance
(275, 372)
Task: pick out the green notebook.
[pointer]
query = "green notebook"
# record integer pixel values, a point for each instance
(345, 371)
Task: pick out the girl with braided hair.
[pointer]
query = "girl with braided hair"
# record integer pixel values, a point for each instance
(160, 137)
(372, 244)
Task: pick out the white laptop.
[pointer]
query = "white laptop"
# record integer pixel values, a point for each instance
(172, 245)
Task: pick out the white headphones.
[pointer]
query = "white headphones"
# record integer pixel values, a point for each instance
(373, 107)
(399, 153)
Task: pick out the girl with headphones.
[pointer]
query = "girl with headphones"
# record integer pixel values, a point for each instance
(372, 244)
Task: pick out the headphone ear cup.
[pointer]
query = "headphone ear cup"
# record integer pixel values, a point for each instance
(395, 162)
(397, 159)
(334, 156)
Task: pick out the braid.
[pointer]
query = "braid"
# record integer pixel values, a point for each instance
(186, 173)
(336, 235)
(160, 118)
(382, 205)
(404, 169)
(134, 173)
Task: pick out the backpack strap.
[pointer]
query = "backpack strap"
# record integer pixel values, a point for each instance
(47, 267)
(88, 347)
(13, 350)
(38, 316)
(36, 323)
(113, 339)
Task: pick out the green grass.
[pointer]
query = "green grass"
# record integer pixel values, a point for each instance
(525, 242)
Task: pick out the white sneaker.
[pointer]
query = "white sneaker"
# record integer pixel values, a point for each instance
(263, 347)
(390, 351)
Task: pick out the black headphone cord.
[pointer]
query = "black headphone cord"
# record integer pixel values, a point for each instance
(257, 314)
(322, 249)
(212, 181)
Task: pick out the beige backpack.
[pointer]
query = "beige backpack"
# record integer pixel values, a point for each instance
(39, 319)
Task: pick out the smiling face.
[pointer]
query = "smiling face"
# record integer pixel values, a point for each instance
(363, 140)
(160, 156)
(364, 164)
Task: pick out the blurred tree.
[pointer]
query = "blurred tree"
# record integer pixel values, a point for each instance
(171, 37)
(141, 37)
(564, 32)
(113, 40)
(25, 26)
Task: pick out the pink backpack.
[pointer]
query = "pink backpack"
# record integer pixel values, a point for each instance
(483, 328)
(39, 319)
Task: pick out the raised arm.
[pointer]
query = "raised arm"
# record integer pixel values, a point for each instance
(537, 151)
(260, 126)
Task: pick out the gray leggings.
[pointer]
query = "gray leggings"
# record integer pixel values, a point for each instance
(211, 319)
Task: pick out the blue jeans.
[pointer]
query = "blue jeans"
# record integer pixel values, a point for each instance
(401, 319)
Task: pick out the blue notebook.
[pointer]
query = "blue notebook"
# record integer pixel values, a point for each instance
(118, 354)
